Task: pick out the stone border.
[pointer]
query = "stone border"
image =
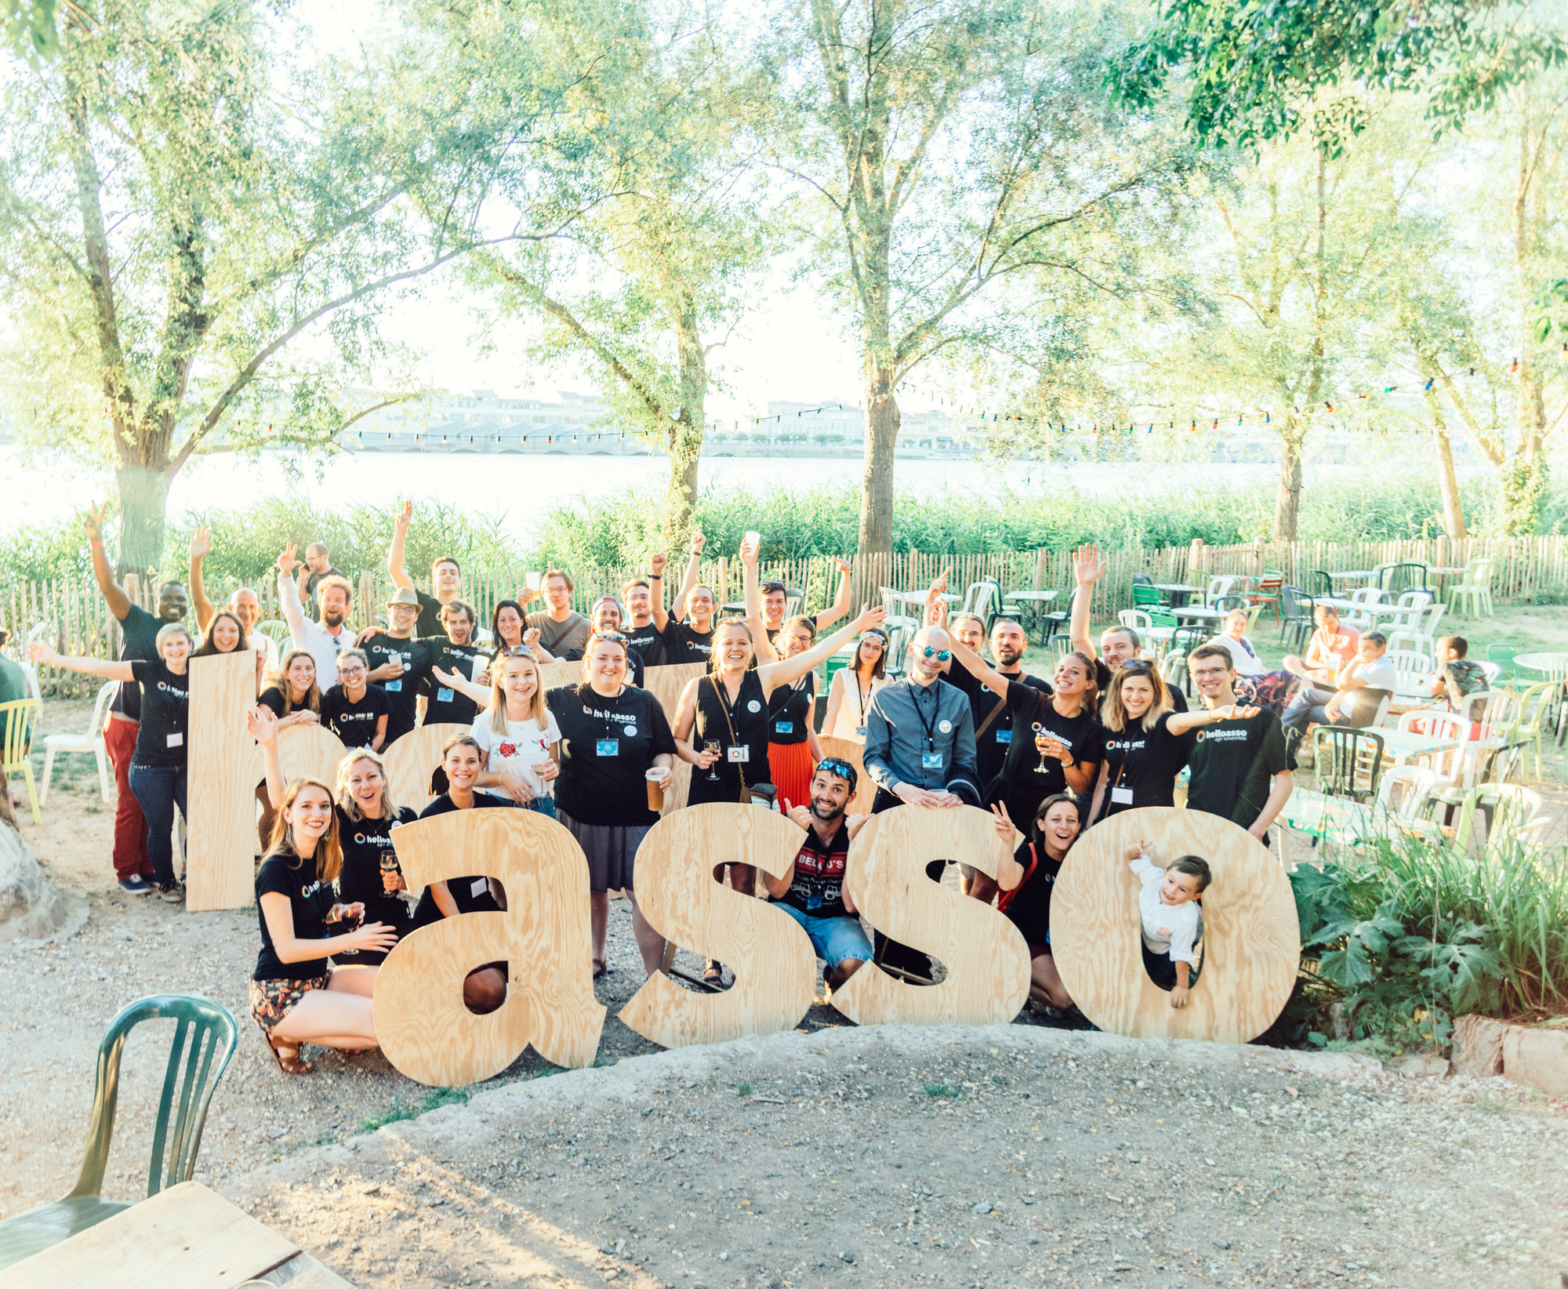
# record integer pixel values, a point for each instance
(1533, 1056)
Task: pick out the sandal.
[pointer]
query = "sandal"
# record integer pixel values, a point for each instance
(713, 973)
(295, 1064)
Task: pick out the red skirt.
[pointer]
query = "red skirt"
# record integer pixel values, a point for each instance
(791, 766)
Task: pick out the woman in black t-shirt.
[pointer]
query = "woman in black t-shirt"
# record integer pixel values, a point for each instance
(226, 634)
(367, 817)
(291, 692)
(1144, 741)
(507, 625)
(616, 753)
(1051, 833)
(295, 996)
(158, 769)
(353, 709)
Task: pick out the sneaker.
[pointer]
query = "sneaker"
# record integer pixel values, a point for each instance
(172, 892)
(136, 886)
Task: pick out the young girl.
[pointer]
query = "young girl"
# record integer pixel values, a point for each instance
(793, 749)
(517, 734)
(849, 695)
(1051, 834)
(353, 709)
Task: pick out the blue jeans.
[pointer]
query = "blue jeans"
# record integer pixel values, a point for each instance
(543, 806)
(834, 939)
(158, 789)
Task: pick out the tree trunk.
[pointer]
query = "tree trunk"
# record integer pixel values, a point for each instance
(1447, 480)
(684, 438)
(1287, 498)
(876, 498)
(144, 495)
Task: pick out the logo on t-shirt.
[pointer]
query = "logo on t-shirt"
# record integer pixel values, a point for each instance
(507, 749)
(1237, 734)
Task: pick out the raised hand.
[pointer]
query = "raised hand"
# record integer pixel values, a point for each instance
(798, 814)
(748, 554)
(201, 542)
(1137, 850)
(404, 517)
(1088, 567)
(262, 723)
(1004, 823)
(658, 563)
(39, 652)
(286, 561)
(531, 637)
(94, 523)
(697, 542)
(843, 565)
(870, 617)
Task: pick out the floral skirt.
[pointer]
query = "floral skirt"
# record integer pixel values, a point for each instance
(272, 1000)
(1272, 690)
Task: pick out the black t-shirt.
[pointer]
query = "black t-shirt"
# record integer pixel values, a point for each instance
(789, 711)
(441, 703)
(607, 748)
(1026, 778)
(273, 699)
(991, 746)
(310, 900)
(311, 583)
(1233, 766)
(364, 842)
(817, 887)
(635, 668)
(428, 625)
(683, 644)
(354, 723)
(1145, 764)
(1029, 908)
(139, 630)
(470, 894)
(1102, 680)
(165, 714)
(647, 641)
(403, 691)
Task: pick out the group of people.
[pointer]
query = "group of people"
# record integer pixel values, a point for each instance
(1102, 735)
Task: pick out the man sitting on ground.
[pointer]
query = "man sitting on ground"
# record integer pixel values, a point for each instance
(1348, 704)
(1456, 677)
(811, 889)
(1331, 648)
(1117, 644)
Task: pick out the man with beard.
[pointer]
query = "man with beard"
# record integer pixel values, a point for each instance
(326, 639)
(243, 604)
(775, 597)
(811, 889)
(318, 567)
(399, 663)
(608, 619)
(454, 652)
(138, 632)
(445, 575)
(1117, 644)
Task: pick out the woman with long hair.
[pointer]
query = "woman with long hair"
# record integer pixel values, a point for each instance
(226, 634)
(291, 692)
(516, 732)
(1143, 740)
(793, 749)
(296, 997)
(367, 816)
(616, 750)
(354, 709)
(1054, 827)
(852, 688)
(507, 625)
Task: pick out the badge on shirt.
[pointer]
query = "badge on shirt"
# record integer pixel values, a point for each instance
(607, 747)
(753, 706)
(443, 695)
(176, 740)
(631, 731)
(1004, 736)
(394, 686)
(1121, 796)
(783, 727)
(930, 760)
(860, 730)
(740, 755)
(945, 726)
(480, 886)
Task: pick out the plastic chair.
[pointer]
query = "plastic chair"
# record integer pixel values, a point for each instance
(1320, 584)
(1253, 614)
(1394, 579)
(989, 606)
(1413, 670)
(91, 741)
(1145, 596)
(17, 718)
(1474, 589)
(1420, 783)
(1218, 587)
(1354, 761)
(1296, 622)
(1135, 619)
(1267, 593)
(1532, 715)
(1060, 645)
(1492, 671)
(1515, 815)
(205, 1036)
(1425, 626)
(1504, 655)
(277, 632)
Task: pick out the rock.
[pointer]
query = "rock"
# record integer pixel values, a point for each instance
(1537, 1058)
(1478, 1046)
(1423, 1065)
(981, 1208)
(30, 907)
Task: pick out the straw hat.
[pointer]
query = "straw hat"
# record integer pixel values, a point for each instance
(404, 595)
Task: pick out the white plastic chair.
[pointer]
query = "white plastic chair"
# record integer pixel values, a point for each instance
(1405, 640)
(1492, 670)
(1410, 605)
(1361, 620)
(1426, 627)
(1418, 784)
(1135, 619)
(1439, 724)
(91, 741)
(1413, 670)
(1219, 587)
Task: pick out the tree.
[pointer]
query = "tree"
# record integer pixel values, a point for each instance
(172, 222)
(953, 146)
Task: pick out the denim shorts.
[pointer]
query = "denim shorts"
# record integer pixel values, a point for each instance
(543, 806)
(834, 939)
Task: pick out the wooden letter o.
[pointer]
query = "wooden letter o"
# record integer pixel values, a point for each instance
(421, 1021)
(987, 959)
(775, 968)
(1251, 939)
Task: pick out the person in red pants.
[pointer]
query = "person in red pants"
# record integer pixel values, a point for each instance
(138, 629)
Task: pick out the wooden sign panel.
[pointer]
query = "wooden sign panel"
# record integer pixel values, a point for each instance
(421, 1021)
(853, 752)
(665, 684)
(986, 958)
(771, 956)
(1251, 938)
(220, 835)
(413, 758)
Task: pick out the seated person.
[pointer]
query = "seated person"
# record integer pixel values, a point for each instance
(1027, 906)
(811, 889)
(1368, 670)
(1456, 676)
(1172, 918)
(1244, 658)
(1331, 647)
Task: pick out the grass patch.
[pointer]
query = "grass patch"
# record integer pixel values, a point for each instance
(743, 1089)
(399, 1109)
(942, 1091)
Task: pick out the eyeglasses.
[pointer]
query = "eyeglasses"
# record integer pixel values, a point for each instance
(610, 635)
(941, 655)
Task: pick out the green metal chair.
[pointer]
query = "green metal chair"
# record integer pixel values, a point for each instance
(205, 1036)
(1503, 654)
(277, 632)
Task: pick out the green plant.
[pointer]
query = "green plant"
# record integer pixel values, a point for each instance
(942, 1091)
(398, 1110)
(743, 1089)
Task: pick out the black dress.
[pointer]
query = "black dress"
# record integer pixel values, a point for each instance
(743, 724)
(1029, 907)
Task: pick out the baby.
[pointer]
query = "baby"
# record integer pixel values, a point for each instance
(1172, 919)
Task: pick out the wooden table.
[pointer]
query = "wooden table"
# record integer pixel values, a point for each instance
(185, 1237)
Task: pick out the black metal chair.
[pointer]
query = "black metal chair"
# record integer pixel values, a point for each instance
(1295, 615)
(1226, 603)
(1349, 762)
(1321, 584)
(1396, 579)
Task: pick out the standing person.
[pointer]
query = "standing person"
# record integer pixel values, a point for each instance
(446, 575)
(1145, 742)
(398, 662)
(138, 632)
(353, 709)
(1331, 647)
(775, 598)
(225, 633)
(507, 625)
(327, 638)
(516, 733)
(453, 651)
(641, 633)
(317, 569)
(158, 766)
(1050, 835)
(243, 603)
(607, 617)
(1240, 769)
(793, 749)
(615, 742)
(560, 627)
(852, 688)
(1117, 644)
(692, 640)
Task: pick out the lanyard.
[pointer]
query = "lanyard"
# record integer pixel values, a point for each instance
(861, 695)
(928, 726)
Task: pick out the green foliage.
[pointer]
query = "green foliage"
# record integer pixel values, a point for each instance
(400, 1110)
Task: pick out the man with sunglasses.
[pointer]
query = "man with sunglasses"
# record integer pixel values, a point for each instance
(1117, 644)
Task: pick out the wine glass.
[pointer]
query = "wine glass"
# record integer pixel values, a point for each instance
(713, 745)
(389, 865)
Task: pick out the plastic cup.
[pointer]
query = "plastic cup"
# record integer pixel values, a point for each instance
(655, 789)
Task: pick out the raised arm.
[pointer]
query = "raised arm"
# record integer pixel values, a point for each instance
(1088, 568)
(468, 688)
(689, 579)
(113, 593)
(395, 567)
(42, 653)
(1183, 722)
(288, 599)
(786, 671)
(656, 566)
(840, 605)
(201, 547)
(1009, 872)
(752, 595)
(263, 726)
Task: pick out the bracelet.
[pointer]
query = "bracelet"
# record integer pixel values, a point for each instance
(98, 544)
(656, 577)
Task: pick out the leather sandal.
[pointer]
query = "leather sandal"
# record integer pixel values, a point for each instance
(295, 1064)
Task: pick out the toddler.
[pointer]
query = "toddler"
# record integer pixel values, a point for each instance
(1172, 919)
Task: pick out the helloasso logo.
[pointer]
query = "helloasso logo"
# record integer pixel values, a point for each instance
(1238, 735)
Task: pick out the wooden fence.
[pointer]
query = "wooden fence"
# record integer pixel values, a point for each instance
(1530, 569)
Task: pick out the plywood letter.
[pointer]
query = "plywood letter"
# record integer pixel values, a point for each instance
(665, 684)
(987, 960)
(775, 968)
(221, 836)
(1251, 939)
(421, 1022)
(413, 758)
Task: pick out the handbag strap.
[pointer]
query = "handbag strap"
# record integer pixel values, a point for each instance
(1005, 898)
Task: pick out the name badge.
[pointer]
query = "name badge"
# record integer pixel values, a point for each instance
(814, 900)
(783, 727)
(860, 730)
(394, 686)
(737, 754)
(443, 695)
(479, 886)
(930, 760)
(176, 740)
(1121, 796)
(1004, 736)
(607, 747)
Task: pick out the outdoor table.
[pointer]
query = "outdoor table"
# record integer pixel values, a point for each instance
(1034, 602)
(1403, 747)
(1353, 606)
(1361, 574)
(1178, 589)
(1339, 819)
(1202, 613)
(1554, 666)
(185, 1237)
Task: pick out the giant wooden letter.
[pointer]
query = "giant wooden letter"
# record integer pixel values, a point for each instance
(987, 960)
(421, 1021)
(1251, 939)
(413, 758)
(221, 797)
(665, 684)
(775, 969)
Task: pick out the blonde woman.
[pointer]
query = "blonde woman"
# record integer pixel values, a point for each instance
(516, 733)
(852, 688)
(291, 692)
(367, 817)
(295, 997)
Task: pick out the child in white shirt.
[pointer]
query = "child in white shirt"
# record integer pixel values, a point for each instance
(1172, 918)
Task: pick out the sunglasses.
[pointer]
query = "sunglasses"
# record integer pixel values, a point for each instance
(837, 765)
(941, 655)
(610, 635)
(1137, 665)
(517, 651)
